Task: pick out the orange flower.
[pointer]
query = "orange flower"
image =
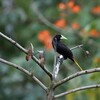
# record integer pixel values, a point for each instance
(45, 37)
(70, 4)
(61, 23)
(48, 44)
(76, 9)
(96, 10)
(62, 6)
(75, 25)
(94, 33)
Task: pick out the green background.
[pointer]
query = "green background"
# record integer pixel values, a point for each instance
(19, 21)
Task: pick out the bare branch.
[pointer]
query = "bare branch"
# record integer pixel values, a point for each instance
(25, 51)
(43, 19)
(78, 46)
(77, 89)
(56, 66)
(13, 42)
(55, 60)
(25, 71)
(76, 75)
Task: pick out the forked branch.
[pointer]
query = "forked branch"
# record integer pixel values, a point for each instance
(25, 51)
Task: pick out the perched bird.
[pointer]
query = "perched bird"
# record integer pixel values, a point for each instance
(62, 49)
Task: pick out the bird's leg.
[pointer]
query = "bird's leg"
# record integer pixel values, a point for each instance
(60, 59)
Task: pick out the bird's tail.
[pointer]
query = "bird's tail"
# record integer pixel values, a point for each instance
(77, 64)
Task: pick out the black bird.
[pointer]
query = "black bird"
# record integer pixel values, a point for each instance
(62, 49)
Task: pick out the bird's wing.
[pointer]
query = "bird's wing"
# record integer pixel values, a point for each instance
(54, 43)
(63, 46)
(64, 50)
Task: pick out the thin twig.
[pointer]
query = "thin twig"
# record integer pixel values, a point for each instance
(25, 51)
(78, 46)
(76, 75)
(43, 19)
(25, 71)
(77, 89)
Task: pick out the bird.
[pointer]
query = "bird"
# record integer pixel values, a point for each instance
(62, 49)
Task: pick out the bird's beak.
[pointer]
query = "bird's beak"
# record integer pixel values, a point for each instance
(63, 38)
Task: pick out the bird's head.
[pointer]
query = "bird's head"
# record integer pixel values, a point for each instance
(59, 37)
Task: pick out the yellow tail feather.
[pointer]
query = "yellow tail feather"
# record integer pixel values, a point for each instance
(77, 64)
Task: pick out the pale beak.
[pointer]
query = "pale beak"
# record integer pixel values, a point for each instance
(63, 38)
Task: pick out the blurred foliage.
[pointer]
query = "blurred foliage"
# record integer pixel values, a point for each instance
(80, 22)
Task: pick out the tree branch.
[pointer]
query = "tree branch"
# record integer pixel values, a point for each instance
(76, 75)
(76, 89)
(56, 66)
(78, 46)
(25, 71)
(25, 51)
(43, 19)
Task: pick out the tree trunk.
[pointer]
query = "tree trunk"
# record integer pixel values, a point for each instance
(50, 93)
